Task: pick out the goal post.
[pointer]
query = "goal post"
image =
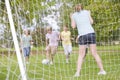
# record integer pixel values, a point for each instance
(15, 40)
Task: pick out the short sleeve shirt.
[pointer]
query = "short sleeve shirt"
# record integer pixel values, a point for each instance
(53, 38)
(26, 41)
(66, 37)
(83, 22)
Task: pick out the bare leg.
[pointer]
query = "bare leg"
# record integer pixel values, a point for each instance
(96, 56)
(26, 59)
(53, 52)
(67, 58)
(86, 51)
(48, 54)
(80, 58)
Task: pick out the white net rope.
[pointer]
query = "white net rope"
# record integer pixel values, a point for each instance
(36, 15)
(9, 69)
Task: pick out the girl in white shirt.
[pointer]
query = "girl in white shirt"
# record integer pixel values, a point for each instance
(83, 21)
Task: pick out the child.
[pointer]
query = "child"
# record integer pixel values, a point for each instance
(66, 42)
(26, 42)
(52, 38)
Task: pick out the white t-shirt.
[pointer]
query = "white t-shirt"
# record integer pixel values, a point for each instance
(53, 38)
(83, 22)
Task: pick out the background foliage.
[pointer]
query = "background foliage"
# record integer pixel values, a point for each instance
(104, 12)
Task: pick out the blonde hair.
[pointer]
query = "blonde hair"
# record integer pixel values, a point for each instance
(49, 28)
(26, 30)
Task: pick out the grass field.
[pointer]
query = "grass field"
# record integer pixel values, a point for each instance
(60, 70)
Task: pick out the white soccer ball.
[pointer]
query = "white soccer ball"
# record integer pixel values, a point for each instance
(45, 61)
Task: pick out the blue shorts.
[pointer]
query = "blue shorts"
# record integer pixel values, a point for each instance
(26, 51)
(87, 39)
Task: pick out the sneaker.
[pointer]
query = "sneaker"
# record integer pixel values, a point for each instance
(76, 74)
(51, 63)
(102, 73)
(67, 61)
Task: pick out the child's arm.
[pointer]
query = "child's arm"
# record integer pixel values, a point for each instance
(31, 40)
(59, 36)
(62, 37)
(47, 42)
(21, 42)
(71, 38)
(77, 39)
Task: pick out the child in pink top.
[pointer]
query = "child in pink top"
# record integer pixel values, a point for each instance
(52, 38)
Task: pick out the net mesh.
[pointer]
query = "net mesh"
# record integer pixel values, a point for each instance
(36, 15)
(9, 69)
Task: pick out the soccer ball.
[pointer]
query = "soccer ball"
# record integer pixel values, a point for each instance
(45, 61)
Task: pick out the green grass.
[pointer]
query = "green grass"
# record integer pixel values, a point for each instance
(60, 70)
(109, 47)
(112, 47)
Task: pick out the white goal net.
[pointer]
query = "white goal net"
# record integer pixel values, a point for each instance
(36, 15)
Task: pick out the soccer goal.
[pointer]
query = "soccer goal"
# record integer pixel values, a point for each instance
(36, 16)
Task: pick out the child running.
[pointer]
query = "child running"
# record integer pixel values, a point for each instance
(66, 42)
(52, 38)
(26, 42)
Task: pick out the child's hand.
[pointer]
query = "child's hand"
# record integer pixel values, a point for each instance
(71, 15)
(72, 38)
(76, 41)
(32, 42)
(65, 40)
(58, 39)
(21, 50)
(47, 47)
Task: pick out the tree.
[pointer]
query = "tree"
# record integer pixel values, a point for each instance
(106, 18)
